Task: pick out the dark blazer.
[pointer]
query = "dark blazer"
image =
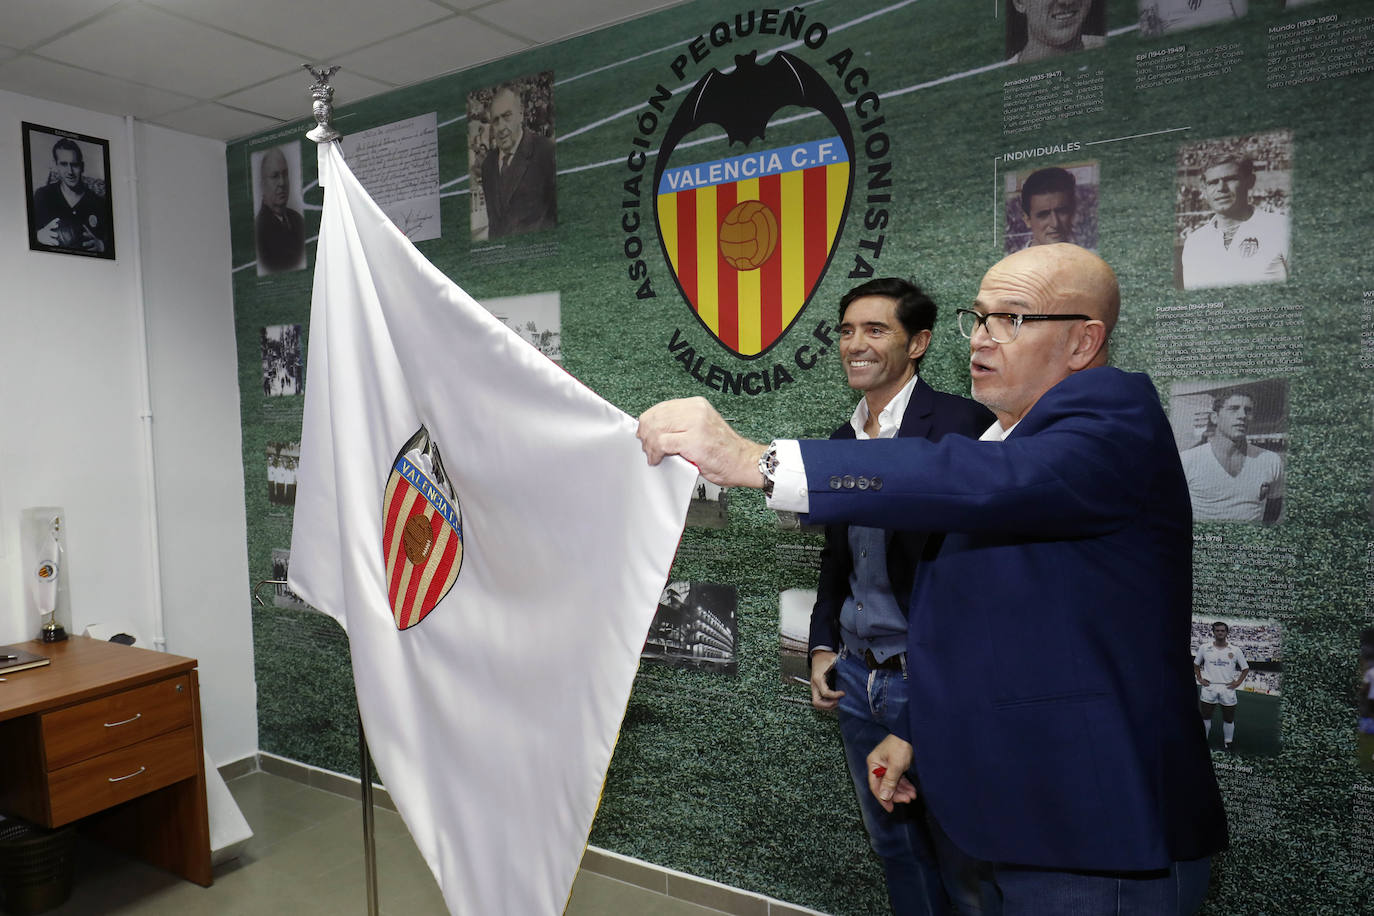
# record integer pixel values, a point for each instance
(525, 197)
(281, 246)
(92, 211)
(930, 414)
(1053, 716)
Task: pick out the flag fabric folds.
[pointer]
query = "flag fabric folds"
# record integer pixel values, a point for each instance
(489, 534)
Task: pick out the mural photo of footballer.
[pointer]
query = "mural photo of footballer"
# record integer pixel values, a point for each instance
(1238, 667)
(1051, 204)
(1233, 209)
(68, 181)
(1040, 29)
(282, 460)
(1232, 438)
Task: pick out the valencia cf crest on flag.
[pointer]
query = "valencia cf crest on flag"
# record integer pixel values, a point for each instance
(422, 539)
(748, 236)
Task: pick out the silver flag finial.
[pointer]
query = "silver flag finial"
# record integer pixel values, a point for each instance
(322, 106)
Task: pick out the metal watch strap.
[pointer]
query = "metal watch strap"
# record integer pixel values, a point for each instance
(768, 468)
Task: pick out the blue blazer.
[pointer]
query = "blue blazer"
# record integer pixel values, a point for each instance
(932, 415)
(1053, 715)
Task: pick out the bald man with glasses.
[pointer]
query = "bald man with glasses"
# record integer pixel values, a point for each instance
(1052, 716)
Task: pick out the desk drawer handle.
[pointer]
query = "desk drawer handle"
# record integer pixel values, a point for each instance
(130, 776)
(136, 717)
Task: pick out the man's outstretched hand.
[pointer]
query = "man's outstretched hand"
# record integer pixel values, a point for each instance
(692, 428)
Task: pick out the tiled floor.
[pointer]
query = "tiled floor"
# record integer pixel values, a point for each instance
(305, 858)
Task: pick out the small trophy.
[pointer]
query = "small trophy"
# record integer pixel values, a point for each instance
(46, 564)
(52, 631)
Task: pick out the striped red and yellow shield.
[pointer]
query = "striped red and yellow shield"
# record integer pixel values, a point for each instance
(747, 252)
(422, 541)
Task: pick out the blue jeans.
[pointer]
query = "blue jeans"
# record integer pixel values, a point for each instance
(872, 703)
(981, 888)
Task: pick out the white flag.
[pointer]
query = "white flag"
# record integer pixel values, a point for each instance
(489, 534)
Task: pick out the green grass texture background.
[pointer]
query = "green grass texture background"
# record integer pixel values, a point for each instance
(736, 778)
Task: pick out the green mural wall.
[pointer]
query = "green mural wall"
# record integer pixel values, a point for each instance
(731, 775)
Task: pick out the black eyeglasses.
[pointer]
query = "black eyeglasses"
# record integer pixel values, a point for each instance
(1003, 327)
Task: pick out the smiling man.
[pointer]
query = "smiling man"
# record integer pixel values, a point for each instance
(1051, 28)
(1060, 762)
(859, 622)
(1240, 244)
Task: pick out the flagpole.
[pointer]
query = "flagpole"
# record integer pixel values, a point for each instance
(369, 823)
(322, 108)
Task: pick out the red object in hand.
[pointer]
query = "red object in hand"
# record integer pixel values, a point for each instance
(880, 772)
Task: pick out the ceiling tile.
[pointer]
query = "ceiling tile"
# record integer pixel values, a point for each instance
(25, 23)
(543, 22)
(147, 46)
(212, 120)
(462, 5)
(47, 79)
(288, 97)
(453, 44)
(313, 29)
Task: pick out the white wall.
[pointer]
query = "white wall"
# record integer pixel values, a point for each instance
(202, 531)
(72, 430)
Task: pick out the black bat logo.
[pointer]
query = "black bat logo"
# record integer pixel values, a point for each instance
(743, 101)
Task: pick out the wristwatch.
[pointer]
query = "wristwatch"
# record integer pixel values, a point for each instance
(768, 468)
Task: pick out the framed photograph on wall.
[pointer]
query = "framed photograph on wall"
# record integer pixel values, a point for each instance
(68, 180)
(511, 158)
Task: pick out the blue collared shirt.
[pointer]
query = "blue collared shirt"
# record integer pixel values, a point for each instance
(871, 618)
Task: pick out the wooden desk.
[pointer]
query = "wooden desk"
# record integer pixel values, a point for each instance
(109, 735)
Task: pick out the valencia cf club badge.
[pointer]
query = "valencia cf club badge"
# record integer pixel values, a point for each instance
(422, 537)
(748, 237)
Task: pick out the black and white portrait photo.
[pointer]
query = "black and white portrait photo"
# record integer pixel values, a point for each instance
(1052, 204)
(511, 158)
(68, 179)
(1233, 209)
(1232, 437)
(279, 226)
(1040, 29)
